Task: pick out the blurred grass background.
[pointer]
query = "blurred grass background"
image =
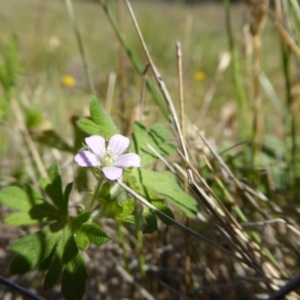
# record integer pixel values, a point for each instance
(49, 52)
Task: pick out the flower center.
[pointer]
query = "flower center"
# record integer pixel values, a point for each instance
(108, 160)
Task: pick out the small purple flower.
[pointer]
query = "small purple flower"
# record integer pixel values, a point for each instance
(111, 159)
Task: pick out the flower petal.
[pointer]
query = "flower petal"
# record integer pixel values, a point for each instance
(112, 173)
(97, 144)
(118, 144)
(128, 160)
(87, 159)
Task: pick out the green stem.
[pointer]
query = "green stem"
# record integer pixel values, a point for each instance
(80, 45)
(139, 234)
(237, 78)
(122, 244)
(96, 192)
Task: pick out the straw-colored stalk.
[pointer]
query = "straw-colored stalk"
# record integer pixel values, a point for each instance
(258, 10)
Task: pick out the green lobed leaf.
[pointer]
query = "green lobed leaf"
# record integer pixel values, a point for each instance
(53, 187)
(74, 276)
(16, 198)
(88, 126)
(150, 224)
(76, 222)
(93, 233)
(21, 264)
(53, 273)
(33, 195)
(70, 249)
(81, 240)
(155, 138)
(46, 261)
(67, 193)
(32, 249)
(102, 119)
(20, 218)
(67, 248)
(155, 185)
(45, 211)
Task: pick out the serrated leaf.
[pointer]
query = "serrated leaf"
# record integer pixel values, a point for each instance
(53, 273)
(161, 184)
(150, 222)
(46, 261)
(45, 210)
(76, 222)
(74, 278)
(20, 218)
(94, 234)
(33, 195)
(21, 264)
(70, 249)
(15, 198)
(32, 249)
(53, 187)
(67, 193)
(81, 240)
(88, 126)
(102, 119)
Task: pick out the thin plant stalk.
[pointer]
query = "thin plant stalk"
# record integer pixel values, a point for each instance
(134, 60)
(140, 244)
(258, 11)
(121, 59)
(180, 225)
(243, 111)
(163, 88)
(110, 91)
(293, 14)
(80, 45)
(187, 277)
(223, 64)
(96, 192)
(122, 244)
(286, 64)
(27, 137)
(142, 97)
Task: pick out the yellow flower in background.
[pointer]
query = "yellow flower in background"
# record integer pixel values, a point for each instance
(68, 81)
(199, 76)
